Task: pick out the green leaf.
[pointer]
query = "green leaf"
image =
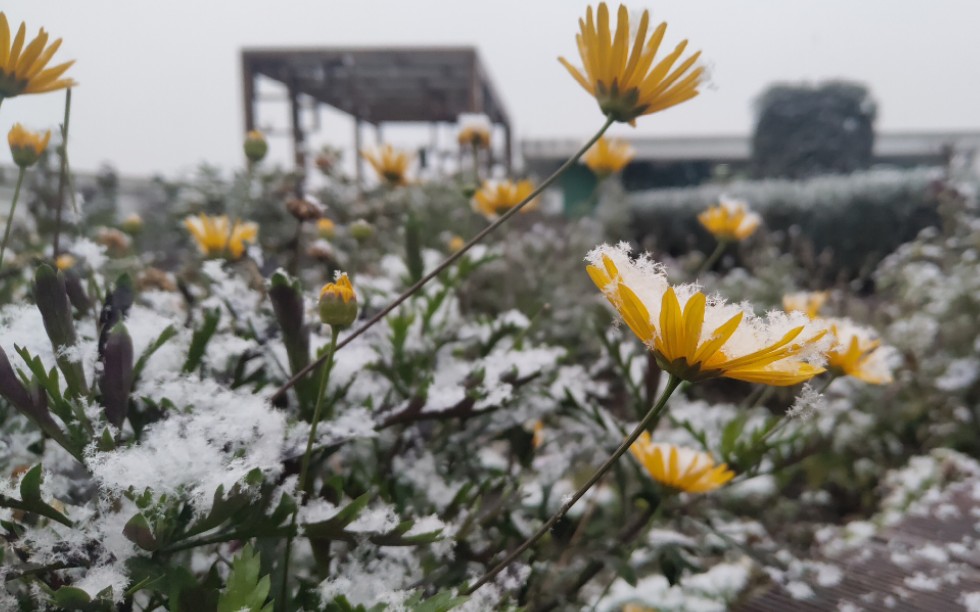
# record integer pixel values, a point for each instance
(71, 598)
(162, 339)
(200, 339)
(334, 526)
(30, 486)
(440, 602)
(245, 589)
(138, 531)
(731, 433)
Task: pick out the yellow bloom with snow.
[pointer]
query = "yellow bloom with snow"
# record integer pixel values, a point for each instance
(390, 164)
(731, 220)
(807, 302)
(494, 198)
(680, 468)
(214, 235)
(608, 156)
(26, 146)
(23, 67)
(858, 353)
(694, 338)
(619, 70)
(338, 302)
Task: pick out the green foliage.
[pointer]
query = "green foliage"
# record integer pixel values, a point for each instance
(804, 131)
(245, 589)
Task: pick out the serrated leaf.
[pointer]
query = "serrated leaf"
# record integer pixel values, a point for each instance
(245, 589)
(440, 602)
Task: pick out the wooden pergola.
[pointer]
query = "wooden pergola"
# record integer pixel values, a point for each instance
(377, 85)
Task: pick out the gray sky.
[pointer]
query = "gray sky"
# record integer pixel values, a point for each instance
(160, 88)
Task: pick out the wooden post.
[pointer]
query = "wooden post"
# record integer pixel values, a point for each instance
(299, 151)
(359, 161)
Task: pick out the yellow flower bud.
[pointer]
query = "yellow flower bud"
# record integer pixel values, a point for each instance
(132, 224)
(326, 228)
(256, 146)
(26, 146)
(64, 262)
(338, 303)
(361, 230)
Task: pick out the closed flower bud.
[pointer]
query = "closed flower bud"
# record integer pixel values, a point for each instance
(26, 146)
(326, 229)
(361, 230)
(256, 146)
(132, 224)
(304, 209)
(338, 304)
(64, 262)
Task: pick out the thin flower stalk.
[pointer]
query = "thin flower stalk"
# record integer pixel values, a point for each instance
(651, 417)
(13, 211)
(305, 463)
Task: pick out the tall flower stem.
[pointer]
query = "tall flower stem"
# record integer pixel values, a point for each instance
(449, 260)
(651, 417)
(10, 217)
(710, 261)
(62, 175)
(305, 463)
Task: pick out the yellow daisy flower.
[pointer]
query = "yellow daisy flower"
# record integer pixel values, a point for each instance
(807, 302)
(858, 353)
(495, 198)
(607, 157)
(730, 221)
(212, 235)
(474, 136)
(694, 338)
(680, 468)
(622, 75)
(22, 68)
(390, 164)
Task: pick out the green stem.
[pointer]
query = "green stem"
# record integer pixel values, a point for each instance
(305, 463)
(651, 417)
(221, 538)
(476, 164)
(826, 385)
(448, 261)
(10, 217)
(63, 174)
(710, 261)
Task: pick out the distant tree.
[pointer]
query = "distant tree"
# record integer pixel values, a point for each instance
(803, 131)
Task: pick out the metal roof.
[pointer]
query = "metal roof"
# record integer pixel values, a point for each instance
(739, 148)
(382, 84)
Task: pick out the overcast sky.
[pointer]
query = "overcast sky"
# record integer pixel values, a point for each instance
(160, 81)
